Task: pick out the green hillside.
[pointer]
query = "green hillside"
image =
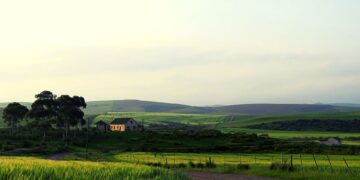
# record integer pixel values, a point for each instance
(149, 117)
(102, 107)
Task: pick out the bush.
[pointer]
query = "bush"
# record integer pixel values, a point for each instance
(192, 164)
(243, 166)
(26, 144)
(210, 164)
(282, 166)
(200, 165)
(181, 165)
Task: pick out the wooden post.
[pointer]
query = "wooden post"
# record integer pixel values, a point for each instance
(317, 167)
(240, 159)
(224, 161)
(347, 165)
(282, 158)
(255, 158)
(301, 163)
(291, 162)
(332, 170)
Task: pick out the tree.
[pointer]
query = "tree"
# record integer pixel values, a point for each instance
(70, 112)
(44, 111)
(13, 114)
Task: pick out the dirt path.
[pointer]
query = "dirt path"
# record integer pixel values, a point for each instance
(58, 157)
(217, 176)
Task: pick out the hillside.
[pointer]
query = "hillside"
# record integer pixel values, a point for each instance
(101, 107)
(275, 108)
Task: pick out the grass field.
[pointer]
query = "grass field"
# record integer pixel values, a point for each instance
(195, 119)
(305, 167)
(237, 123)
(25, 168)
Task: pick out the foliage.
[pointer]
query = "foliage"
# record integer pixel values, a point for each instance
(13, 113)
(312, 125)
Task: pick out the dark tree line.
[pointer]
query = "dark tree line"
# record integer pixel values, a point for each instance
(46, 113)
(331, 125)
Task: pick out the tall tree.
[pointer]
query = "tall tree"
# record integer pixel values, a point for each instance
(70, 112)
(13, 114)
(44, 111)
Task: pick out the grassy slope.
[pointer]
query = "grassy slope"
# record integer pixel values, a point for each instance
(32, 168)
(163, 117)
(238, 123)
(259, 163)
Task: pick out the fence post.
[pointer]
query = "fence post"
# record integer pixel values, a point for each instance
(255, 158)
(291, 163)
(332, 170)
(347, 165)
(301, 163)
(240, 159)
(317, 167)
(282, 158)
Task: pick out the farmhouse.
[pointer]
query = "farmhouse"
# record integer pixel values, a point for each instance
(125, 124)
(331, 141)
(102, 126)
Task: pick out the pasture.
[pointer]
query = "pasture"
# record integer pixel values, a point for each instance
(305, 166)
(238, 123)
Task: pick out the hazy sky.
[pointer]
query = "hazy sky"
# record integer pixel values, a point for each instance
(198, 52)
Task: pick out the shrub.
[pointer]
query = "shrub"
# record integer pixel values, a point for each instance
(210, 164)
(26, 144)
(181, 165)
(282, 166)
(243, 166)
(192, 164)
(200, 165)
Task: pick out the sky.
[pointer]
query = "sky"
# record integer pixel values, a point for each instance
(196, 52)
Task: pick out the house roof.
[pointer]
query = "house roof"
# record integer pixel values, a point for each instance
(101, 123)
(121, 120)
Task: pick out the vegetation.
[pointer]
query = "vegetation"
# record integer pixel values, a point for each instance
(273, 165)
(312, 125)
(32, 168)
(13, 114)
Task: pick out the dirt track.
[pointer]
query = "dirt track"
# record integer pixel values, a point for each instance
(217, 176)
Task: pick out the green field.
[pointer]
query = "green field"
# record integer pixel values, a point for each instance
(305, 166)
(195, 119)
(25, 168)
(237, 123)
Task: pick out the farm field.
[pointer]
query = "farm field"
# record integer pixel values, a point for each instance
(237, 123)
(148, 117)
(305, 166)
(14, 168)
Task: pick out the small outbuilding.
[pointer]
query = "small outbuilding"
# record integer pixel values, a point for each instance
(331, 141)
(102, 126)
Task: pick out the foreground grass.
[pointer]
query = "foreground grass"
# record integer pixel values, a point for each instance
(305, 166)
(23, 168)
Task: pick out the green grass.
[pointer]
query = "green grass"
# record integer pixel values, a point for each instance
(25, 168)
(98, 107)
(195, 119)
(259, 163)
(292, 134)
(237, 123)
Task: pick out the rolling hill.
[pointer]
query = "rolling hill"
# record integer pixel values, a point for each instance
(101, 107)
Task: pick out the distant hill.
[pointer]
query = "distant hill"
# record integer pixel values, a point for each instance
(101, 107)
(98, 107)
(275, 108)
